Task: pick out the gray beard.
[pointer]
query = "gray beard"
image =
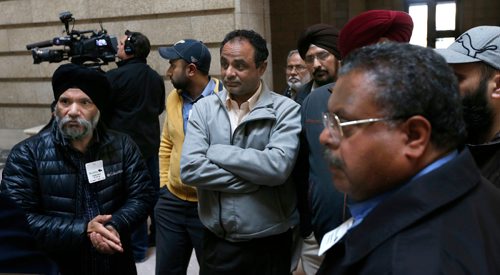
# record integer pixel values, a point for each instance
(74, 133)
(294, 86)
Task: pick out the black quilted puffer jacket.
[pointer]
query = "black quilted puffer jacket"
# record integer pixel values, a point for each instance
(46, 177)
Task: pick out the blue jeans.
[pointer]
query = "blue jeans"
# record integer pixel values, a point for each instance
(140, 242)
(178, 231)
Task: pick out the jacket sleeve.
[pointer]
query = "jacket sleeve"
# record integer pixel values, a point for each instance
(271, 166)
(199, 171)
(140, 197)
(164, 153)
(20, 183)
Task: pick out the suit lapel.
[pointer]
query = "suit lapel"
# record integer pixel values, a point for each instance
(410, 204)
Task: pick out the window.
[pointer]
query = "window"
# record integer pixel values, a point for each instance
(434, 22)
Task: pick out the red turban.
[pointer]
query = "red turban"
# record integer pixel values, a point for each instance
(322, 35)
(368, 27)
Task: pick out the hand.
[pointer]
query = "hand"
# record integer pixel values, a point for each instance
(105, 239)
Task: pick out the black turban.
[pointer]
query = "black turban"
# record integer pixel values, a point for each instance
(322, 35)
(91, 81)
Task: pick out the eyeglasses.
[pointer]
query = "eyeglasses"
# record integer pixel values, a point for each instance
(297, 68)
(334, 126)
(321, 56)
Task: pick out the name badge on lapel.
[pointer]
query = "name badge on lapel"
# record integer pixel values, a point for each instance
(332, 237)
(95, 171)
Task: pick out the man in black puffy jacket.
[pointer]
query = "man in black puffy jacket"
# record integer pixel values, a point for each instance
(83, 187)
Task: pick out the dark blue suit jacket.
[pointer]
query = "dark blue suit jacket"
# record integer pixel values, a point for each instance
(18, 249)
(444, 222)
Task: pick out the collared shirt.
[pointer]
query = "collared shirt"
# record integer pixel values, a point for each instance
(360, 210)
(238, 113)
(187, 103)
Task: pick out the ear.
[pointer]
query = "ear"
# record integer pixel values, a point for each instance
(418, 135)
(262, 68)
(496, 89)
(191, 69)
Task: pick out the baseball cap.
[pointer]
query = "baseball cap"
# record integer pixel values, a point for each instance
(479, 44)
(191, 51)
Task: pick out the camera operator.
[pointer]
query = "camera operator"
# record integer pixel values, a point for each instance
(137, 99)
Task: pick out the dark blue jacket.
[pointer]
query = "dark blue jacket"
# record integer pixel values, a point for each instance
(326, 204)
(445, 222)
(18, 249)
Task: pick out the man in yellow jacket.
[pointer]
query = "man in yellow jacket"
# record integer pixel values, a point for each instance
(178, 226)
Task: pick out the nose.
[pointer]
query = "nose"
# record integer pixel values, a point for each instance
(74, 110)
(327, 140)
(168, 73)
(229, 72)
(316, 63)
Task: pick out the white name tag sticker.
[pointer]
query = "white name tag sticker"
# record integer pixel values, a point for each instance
(95, 171)
(332, 237)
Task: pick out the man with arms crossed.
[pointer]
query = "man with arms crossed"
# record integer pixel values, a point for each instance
(239, 151)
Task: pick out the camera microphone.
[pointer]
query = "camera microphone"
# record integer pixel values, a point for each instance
(41, 44)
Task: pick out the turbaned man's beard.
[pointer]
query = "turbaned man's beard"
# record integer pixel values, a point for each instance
(74, 133)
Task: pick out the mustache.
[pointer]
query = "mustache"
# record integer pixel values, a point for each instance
(332, 160)
(293, 79)
(318, 71)
(79, 120)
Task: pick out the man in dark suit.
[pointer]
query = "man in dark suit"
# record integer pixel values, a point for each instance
(395, 145)
(18, 249)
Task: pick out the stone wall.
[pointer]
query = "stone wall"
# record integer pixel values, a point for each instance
(25, 90)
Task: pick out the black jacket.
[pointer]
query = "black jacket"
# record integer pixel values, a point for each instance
(487, 157)
(47, 178)
(136, 101)
(445, 222)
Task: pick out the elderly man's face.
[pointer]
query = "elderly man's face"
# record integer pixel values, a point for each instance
(322, 65)
(239, 72)
(76, 114)
(364, 160)
(296, 71)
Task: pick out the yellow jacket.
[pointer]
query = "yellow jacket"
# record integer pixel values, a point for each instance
(172, 138)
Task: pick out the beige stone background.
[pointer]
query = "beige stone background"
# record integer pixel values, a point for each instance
(25, 89)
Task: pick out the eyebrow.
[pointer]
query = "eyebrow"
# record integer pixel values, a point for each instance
(342, 114)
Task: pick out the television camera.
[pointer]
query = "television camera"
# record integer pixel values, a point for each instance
(89, 48)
